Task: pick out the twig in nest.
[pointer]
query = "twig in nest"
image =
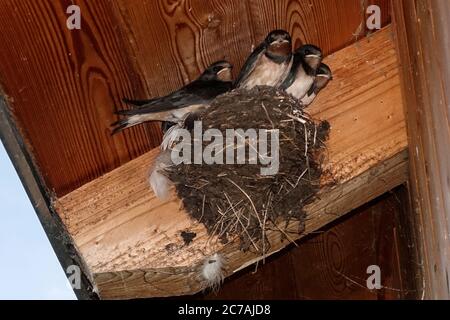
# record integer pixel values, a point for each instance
(251, 146)
(290, 183)
(242, 225)
(315, 135)
(281, 188)
(203, 208)
(306, 141)
(269, 199)
(296, 119)
(300, 177)
(200, 185)
(249, 199)
(267, 114)
(224, 230)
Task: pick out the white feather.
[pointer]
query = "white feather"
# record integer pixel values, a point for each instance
(213, 271)
(158, 180)
(170, 137)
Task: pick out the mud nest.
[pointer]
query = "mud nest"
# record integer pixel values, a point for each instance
(236, 200)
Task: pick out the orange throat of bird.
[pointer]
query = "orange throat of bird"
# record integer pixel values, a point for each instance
(282, 49)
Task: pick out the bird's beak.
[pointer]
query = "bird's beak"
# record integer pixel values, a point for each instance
(315, 56)
(281, 41)
(224, 70)
(225, 74)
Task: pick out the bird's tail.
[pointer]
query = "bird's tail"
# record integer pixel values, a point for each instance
(127, 122)
(131, 120)
(159, 182)
(139, 103)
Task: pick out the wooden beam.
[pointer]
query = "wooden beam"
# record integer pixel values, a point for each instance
(423, 45)
(333, 263)
(29, 175)
(131, 241)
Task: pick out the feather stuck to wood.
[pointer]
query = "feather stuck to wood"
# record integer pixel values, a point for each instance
(212, 272)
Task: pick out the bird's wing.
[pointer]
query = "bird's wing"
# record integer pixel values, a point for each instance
(139, 103)
(296, 63)
(178, 99)
(321, 82)
(196, 93)
(249, 65)
(312, 89)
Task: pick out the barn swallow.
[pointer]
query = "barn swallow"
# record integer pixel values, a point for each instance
(322, 78)
(307, 59)
(197, 95)
(269, 63)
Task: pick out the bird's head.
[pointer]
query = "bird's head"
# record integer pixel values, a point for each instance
(323, 76)
(279, 43)
(311, 55)
(220, 70)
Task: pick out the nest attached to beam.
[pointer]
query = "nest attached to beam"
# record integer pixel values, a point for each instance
(236, 201)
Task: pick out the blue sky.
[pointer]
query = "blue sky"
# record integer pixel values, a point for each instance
(29, 268)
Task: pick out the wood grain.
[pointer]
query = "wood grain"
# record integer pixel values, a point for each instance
(332, 263)
(131, 241)
(423, 45)
(63, 86)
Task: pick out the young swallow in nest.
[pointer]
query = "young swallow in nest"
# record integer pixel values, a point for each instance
(195, 96)
(300, 79)
(322, 78)
(269, 63)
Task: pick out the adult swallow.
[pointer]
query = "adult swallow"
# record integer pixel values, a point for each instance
(322, 78)
(269, 63)
(307, 59)
(197, 95)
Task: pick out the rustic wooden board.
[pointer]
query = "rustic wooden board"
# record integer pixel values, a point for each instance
(332, 263)
(423, 45)
(131, 241)
(63, 86)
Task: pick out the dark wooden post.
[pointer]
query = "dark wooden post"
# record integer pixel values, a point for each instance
(424, 48)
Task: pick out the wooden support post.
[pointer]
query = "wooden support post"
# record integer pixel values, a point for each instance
(424, 49)
(131, 241)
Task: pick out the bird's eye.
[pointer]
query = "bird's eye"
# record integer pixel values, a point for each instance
(217, 69)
